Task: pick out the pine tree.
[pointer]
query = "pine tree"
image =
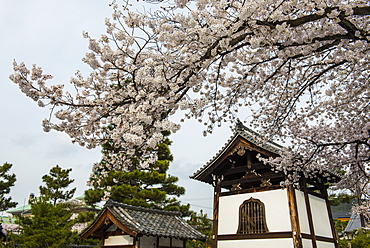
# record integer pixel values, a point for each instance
(6, 181)
(56, 183)
(50, 226)
(151, 187)
(203, 224)
(51, 222)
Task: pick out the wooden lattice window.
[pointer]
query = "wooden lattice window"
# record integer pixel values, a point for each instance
(252, 217)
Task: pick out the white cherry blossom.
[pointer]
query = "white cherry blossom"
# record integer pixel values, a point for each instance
(300, 67)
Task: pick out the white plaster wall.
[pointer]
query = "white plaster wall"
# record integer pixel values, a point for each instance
(119, 240)
(167, 242)
(320, 217)
(306, 243)
(147, 242)
(321, 244)
(254, 243)
(302, 212)
(177, 242)
(164, 242)
(276, 207)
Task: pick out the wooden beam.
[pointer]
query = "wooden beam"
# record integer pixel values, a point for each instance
(320, 238)
(332, 226)
(269, 235)
(309, 212)
(244, 168)
(96, 225)
(294, 218)
(250, 190)
(216, 199)
(120, 225)
(269, 175)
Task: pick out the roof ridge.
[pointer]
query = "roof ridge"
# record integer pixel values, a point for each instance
(143, 209)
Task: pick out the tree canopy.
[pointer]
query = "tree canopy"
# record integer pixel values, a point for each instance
(55, 185)
(296, 71)
(149, 187)
(6, 182)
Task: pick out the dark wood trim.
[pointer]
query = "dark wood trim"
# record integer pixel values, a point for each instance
(157, 242)
(244, 168)
(319, 238)
(315, 194)
(216, 199)
(270, 235)
(120, 225)
(250, 190)
(107, 215)
(120, 246)
(269, 175)
(330, 215)
(309, 213)
(294, 217)
(95, 226)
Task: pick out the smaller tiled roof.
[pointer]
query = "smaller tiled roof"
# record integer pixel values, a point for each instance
(353, 224)
(26, 209)
(341, 214)
(150, 222)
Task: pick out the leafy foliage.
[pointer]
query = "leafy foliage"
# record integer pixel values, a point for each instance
(50, 226)
(203, 224)
(51, 220)
(6, 181)
(361, 240)
(55, 184)
(150, 187)
(342, 198)
(84, 217)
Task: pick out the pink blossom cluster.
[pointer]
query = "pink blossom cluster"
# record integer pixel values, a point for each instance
(301, 68)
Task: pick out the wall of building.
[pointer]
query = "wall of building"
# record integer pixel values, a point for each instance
(302, 212)
(276, 207)
(252, 243)
(149, 242)
(320, 216)
(325, 245)
(321, 221)
(119, 240)
(307, 243)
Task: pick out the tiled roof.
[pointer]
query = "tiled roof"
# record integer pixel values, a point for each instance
(256, 139)
(354, 223)
(241, 131)
(150, 222)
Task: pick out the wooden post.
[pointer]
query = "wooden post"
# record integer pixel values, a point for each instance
(294, 219)
(333, 231)
(309, 212)
(216, 197)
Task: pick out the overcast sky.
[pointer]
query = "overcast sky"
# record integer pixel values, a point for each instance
(49, 33)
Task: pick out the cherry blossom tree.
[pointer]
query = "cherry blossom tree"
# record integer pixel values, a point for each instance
(301, 68)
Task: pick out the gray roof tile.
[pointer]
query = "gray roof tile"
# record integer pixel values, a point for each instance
(152, 222)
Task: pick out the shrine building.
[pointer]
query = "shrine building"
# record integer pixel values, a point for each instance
(251, 208)
(124, 226)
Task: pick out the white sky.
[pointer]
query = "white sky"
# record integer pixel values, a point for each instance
(49, 33)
